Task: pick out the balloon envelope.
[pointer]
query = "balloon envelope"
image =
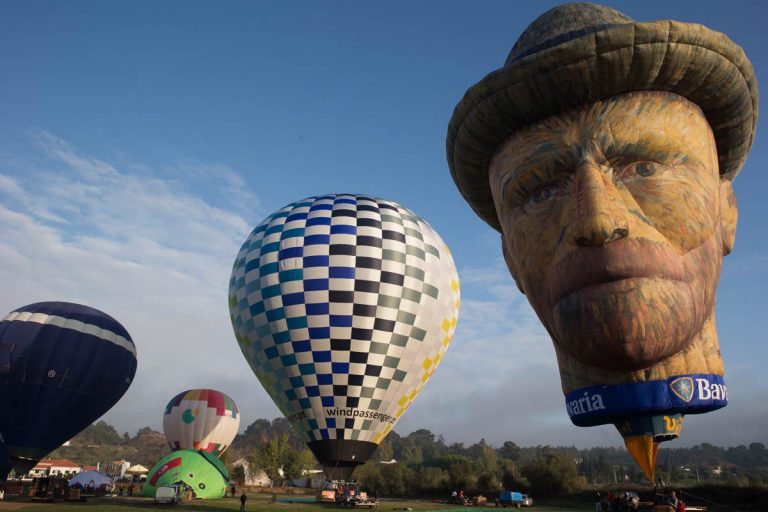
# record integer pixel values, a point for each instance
(343, 306)
(62, 366)
(201, 419)
(201, 471)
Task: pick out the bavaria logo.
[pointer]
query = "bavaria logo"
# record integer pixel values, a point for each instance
(682, 388)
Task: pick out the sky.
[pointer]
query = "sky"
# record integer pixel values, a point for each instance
(140, 142)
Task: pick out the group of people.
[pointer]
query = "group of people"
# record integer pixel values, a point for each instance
(616, 502)
(668, 497)
(458, 498)
(123, 490)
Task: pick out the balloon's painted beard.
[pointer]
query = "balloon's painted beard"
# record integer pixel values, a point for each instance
(628, 305)
(628, 324)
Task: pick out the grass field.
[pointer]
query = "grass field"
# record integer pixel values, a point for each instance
(256, 502)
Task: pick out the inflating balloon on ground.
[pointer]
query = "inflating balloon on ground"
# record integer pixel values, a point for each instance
(343, 306)
(201, 472)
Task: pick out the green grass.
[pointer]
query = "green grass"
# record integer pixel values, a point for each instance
(256, 503)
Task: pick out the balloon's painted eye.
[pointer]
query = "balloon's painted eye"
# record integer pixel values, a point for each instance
(643, 169)
(540, 199)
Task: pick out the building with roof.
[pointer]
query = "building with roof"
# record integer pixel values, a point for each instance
(55, 467)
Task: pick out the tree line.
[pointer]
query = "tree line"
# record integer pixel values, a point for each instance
(424, 464)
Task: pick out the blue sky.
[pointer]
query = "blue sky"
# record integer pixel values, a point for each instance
(141, 141)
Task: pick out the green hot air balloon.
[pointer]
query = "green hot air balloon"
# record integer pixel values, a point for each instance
(203, 472)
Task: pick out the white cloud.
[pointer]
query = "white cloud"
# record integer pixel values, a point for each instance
(153, 254)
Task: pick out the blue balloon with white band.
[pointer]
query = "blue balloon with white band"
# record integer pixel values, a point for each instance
(62, 366)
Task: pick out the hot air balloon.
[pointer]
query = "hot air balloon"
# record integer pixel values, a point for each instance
(62, 366)
(204, 473)
(201, 419)
(343, 306)
(609, 178)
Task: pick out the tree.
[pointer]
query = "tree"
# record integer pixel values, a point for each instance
(509, 450)
(270, 455)
(552, 473)
(297, 463)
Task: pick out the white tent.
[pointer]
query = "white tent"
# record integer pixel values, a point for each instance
(92, 479)
(137, 472)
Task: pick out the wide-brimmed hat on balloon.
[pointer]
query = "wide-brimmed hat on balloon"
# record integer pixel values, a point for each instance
(575, 54)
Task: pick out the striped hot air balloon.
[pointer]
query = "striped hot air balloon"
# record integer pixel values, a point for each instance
(201, 419)
(343, 305)
(62, 366)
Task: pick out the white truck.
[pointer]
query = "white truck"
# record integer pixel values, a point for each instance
(167, 494)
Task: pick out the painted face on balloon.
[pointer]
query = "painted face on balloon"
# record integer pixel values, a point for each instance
(614, 223)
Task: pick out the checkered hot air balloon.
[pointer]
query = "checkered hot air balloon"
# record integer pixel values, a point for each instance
(201, 419)
(343, 305)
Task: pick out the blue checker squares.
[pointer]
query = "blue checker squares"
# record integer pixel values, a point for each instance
(319, 332)
(341, 320)
(281, 337)
(324, 433)
(317, 309)
(256, 309)
(324, 379)
(330, 422)
(271, 247)
(319, 221)
(313, 285)
(322, 356)
(251, 265)
(297, 322)
(296, 382)
(290, 394)
(321, 206)
(317, 239)
(304, 403)
(294, 274)
(307, 369)
(288, 359)
(343, 229)
(313, 423)
(313, 391)
(297, 216)
(316, 261)
(301, 346)
(293, 299)
(342, 272)
(270, 291)
(291, 252)
(271, 352)
(275, 314)
(269, 268)
(340, 367)
(345, 200)
(327, 401)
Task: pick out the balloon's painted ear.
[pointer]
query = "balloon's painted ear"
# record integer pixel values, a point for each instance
(510, 263)
(729, 214)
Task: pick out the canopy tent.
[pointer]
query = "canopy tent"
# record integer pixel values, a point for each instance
(137, 471)
(92, 479)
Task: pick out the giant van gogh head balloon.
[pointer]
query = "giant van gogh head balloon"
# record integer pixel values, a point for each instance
(343, 305)
(201, 419)
(604, 151)
(62, 366)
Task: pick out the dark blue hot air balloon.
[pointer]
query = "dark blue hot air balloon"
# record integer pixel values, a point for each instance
(62, 366)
